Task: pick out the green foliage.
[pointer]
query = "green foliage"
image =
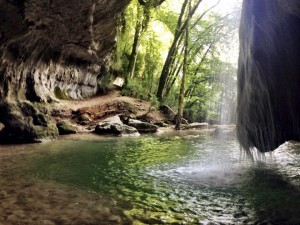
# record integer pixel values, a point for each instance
(154, 102)
(169, 19)
(135, 89)
(210, 83)
(105, 83)
(125, 33)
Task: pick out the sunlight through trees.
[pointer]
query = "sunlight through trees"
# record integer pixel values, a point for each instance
(150, 55)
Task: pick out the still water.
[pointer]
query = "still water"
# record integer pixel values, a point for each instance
(179, 178)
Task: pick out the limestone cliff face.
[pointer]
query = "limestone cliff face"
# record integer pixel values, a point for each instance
(269, 74)
(60, 45)
(52, 48)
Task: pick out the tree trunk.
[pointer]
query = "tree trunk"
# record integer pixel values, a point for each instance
(134, 51)
(165, 71)
(181, 26)
(184, 73)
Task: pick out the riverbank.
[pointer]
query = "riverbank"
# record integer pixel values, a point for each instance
(86, 114)
(111, 114)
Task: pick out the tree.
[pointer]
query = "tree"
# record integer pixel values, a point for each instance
(142, 21)
(184, 72)
(183, 18)
(176, 56)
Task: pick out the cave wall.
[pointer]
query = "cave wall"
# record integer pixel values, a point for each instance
(48, 44)
(50, 49)
(268, 108)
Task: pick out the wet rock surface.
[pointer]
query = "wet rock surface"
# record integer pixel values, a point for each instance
(268, 74)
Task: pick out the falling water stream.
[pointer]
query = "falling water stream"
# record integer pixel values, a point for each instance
(175, 178)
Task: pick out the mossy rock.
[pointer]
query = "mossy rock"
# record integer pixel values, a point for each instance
(24, 122)
(65, 127)
(129, 107)
(42, 132)
(60, 94)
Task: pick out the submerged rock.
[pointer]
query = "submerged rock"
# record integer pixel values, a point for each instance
(143, 127)
(65, 127)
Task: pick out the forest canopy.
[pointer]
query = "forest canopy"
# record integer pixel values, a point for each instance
(180, 53)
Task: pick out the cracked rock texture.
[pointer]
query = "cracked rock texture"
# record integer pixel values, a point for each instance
(48, 44)
(51, 49)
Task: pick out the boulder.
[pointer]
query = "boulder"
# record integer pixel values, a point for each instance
(143, 127)
(160, 124)
(114, 119)
(119, 82)
(84, 119)
(170, 114)
(26, 122)
(65, 127)
(126, 117)
(115, 129)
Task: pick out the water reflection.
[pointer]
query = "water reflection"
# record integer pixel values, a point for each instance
(175, 179)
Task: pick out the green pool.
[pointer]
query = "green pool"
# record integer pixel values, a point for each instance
(178, 178)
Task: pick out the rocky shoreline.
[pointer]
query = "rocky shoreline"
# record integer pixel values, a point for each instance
(111, 114)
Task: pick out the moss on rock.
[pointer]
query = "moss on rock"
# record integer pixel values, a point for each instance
(65, 127)
(60, 94)
(26, 122)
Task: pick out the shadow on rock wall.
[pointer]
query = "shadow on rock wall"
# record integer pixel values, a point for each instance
(269, 74)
